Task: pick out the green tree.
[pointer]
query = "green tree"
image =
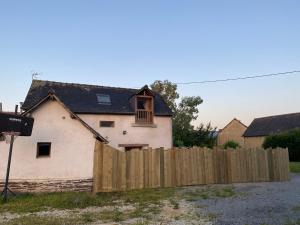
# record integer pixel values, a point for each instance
(168, 91)
(184, 112)
(205, 135)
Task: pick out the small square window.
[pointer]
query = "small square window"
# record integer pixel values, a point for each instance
(107, 123)
(43, 149)
(103, 99)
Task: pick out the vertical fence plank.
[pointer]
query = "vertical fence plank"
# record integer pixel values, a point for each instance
(146, 167)
(162, 167)
(114, 170)
(128, 163)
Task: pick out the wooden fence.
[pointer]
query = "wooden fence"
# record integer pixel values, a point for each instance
(152, 168)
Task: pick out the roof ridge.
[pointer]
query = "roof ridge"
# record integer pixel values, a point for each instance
(286, 114)
(234, 119)
(85, 85)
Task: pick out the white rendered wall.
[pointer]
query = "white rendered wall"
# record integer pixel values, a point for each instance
(155, 137)
(71, 150)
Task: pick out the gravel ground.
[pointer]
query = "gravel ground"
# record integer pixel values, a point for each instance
(257, 204)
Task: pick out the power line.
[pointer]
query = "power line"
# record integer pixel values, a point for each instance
(239, 78)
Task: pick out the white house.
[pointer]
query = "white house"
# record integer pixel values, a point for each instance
(68, 119)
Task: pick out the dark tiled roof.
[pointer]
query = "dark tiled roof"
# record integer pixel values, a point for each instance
(81, 98)
(273, 124)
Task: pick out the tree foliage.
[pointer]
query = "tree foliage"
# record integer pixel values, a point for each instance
(289, 139)
(168, 91)
(184, 112)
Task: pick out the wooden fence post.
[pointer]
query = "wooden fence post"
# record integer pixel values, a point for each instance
(98, 167)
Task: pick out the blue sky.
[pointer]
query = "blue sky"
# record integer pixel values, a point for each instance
(132, 43)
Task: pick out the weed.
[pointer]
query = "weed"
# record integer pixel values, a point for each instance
(174, 203)
(117, 215)
(88, 217)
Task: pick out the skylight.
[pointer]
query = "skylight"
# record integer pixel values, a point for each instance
(103, 99)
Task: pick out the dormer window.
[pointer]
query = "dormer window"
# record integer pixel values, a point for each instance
(144, 107)
(103, 99)
(141, 103)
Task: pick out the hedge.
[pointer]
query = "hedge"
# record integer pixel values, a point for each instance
(231, 144)
(289, 139)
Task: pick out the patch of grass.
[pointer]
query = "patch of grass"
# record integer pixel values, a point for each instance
(71, 200)
(40, 202)
(117, 215)
(148, 202)
(141, 222)
(149, 196)
(212, 216)
(114, 215)
(295, 167)
(296, 209)
(88, 217)
(37, 220)
(145, 211)
(225, 192)
(209, 192)
(288, 222)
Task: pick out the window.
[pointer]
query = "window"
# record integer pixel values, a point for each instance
(131, 148)
(43, 149)
(107, 123)
(103, 99)
(128, 147)
(144, 110)
(141, 103)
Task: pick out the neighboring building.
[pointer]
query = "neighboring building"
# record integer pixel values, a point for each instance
(68, 120)
(233, 131)
(260, 128)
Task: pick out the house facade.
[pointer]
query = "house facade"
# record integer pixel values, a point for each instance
(263, 127)
(69, 118)
(233, 131)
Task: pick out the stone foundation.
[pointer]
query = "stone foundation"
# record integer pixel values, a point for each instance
(49, 185)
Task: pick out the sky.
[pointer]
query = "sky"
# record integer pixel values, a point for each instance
(133, 43)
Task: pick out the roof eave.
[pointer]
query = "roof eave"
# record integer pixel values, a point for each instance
(51, 95)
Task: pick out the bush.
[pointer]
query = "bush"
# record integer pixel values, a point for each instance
(231, 144)
(289, 139)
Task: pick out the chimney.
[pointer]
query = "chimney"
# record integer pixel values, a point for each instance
(0, 106)
(21, 104)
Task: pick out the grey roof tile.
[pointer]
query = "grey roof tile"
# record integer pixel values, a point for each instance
(82, 98)
(273, 124)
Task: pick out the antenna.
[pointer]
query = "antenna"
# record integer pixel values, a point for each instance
(35, 75)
